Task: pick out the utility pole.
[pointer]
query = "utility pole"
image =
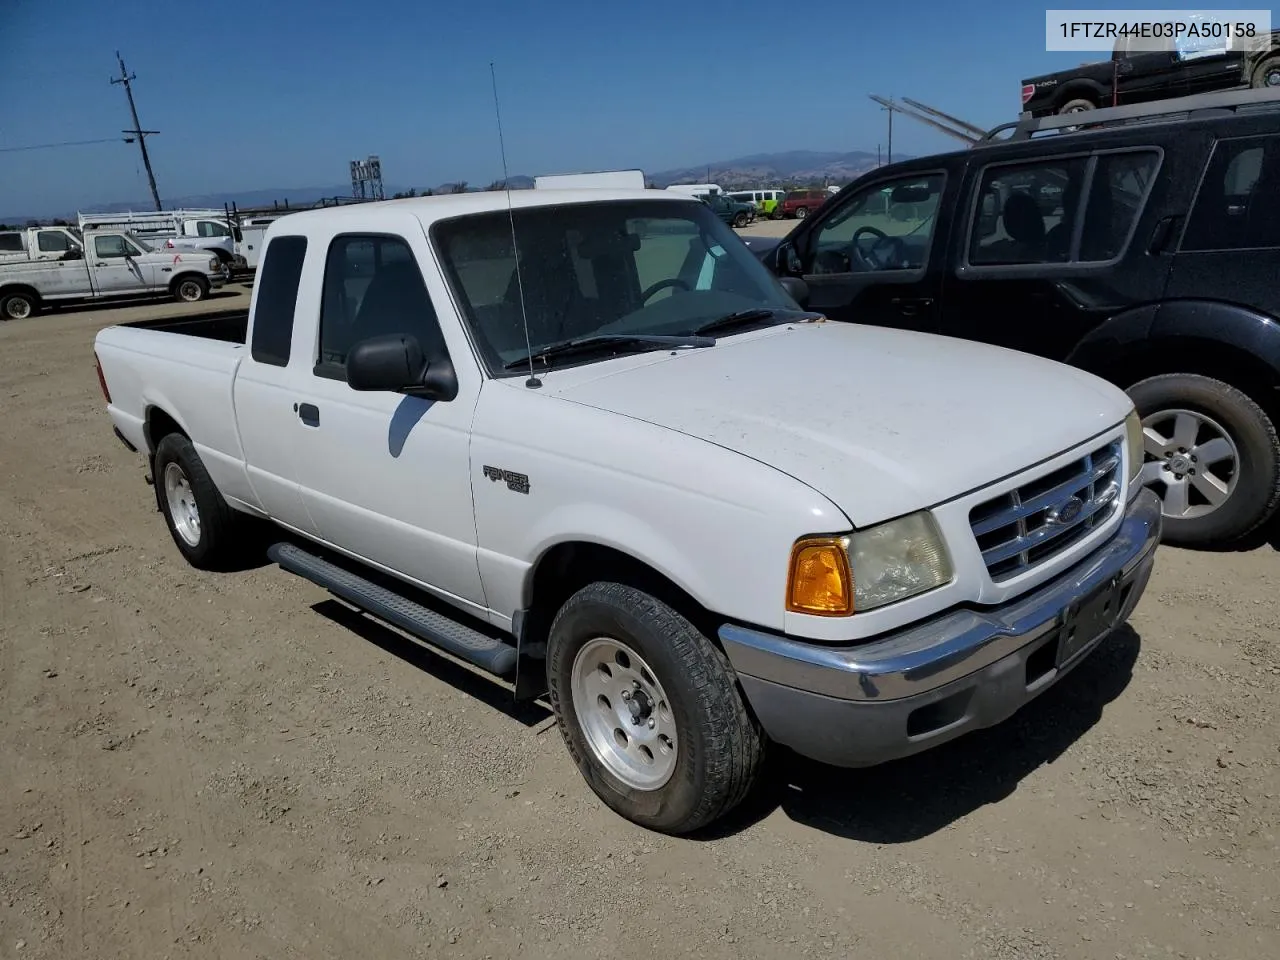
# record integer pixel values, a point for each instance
(137, 131)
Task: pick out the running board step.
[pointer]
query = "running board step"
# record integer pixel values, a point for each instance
(427, 625)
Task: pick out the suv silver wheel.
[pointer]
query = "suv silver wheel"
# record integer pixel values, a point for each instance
(624, 713)
(1193, 458)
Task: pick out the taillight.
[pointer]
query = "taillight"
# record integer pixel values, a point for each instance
(1028, 91)
(102, 381)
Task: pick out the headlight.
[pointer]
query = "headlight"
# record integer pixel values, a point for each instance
(869, 568)
(1133, 438)
(215, 265)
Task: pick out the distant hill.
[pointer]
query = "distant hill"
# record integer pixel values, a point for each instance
(793, 168)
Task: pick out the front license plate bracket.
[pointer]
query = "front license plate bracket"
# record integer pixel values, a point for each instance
(1087, 619)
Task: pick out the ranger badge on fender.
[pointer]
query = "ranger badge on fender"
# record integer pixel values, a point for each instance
(519, 482)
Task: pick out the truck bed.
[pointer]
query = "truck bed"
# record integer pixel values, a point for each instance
(229, 326)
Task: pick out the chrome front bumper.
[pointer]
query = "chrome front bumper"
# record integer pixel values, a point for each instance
(960, 671)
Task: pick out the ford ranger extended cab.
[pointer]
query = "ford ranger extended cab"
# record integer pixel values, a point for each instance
(624, 470)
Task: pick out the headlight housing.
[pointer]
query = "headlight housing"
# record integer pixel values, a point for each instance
(1133, 438)
(836, 576)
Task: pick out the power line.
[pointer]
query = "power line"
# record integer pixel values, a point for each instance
(63, 143)
(137, 131)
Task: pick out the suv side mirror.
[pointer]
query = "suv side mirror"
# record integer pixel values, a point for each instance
(797, 289)
(396, 363)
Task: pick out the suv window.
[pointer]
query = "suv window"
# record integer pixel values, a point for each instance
(373, 288)
(277, 297)
(1238, 205)
(1031, 212)
(886, 226)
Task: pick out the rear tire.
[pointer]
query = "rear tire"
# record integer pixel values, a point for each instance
(801, 212)
(680, 749)
(1236, 458)
(18, 306)
(1078, 105)
(740, 220)
(207, 531)
(190, 289)
(1266, 74)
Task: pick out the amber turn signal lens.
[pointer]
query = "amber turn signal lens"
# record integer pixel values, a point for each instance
(820, 581)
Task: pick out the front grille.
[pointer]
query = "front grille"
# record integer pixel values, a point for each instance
(1030, 524)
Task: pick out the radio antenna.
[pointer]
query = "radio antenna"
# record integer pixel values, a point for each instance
(533, 382)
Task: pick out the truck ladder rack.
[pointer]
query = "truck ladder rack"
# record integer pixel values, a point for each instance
(1175, 109)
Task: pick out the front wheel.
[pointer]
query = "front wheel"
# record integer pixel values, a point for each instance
(1266, 74)
(740, 220)
(18, 306)
(649, 710)
(191, 289)
(1211, 454)
(801, 213)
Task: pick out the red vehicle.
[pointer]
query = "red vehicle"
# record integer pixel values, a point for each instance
(800, 203)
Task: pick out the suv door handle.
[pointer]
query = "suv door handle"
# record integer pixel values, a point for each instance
(910, 305)
(308, 413)
(1162, 233)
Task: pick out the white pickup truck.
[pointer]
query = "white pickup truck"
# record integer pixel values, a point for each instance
(118, 264)
(633, 474)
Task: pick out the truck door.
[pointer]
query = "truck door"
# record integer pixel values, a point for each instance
(114, 267)
(871, 258)
(387, 476)
(264, 398)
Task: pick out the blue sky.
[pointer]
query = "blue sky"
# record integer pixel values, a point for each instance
(286, 92)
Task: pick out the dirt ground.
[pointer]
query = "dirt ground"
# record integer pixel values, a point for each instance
(234, 766)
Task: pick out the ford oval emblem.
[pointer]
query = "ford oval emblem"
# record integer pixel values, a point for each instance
(1066, 512)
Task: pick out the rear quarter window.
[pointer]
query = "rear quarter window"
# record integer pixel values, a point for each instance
(277, 282)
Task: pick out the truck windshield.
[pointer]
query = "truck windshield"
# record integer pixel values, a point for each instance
(611, 267)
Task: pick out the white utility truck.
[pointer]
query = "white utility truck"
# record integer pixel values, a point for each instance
(118, 264)
(636, 476)
(610, 179)
(181, 230)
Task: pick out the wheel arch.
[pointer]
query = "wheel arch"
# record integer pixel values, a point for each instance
(187, 275)
(9, 289)
(1076, 89)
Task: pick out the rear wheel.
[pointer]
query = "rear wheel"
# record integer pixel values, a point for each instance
(1211, 454)
(1267, 73)
(18, 306)
(191, 289)
(206, 530)
(649, 710)
(801, 212)
(740, 220)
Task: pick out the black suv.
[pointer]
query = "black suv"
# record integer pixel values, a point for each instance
(1145, 249)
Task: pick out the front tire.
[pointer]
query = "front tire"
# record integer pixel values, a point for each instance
(204, 528)
(190, 289)
(1266, 74)
(1212, 456)
(801, 212)
(18, 306)
(740, 221)
(649, 710)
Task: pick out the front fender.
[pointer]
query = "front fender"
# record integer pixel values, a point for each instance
(1241, 327)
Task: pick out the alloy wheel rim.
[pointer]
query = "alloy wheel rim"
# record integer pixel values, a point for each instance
(1191, 462)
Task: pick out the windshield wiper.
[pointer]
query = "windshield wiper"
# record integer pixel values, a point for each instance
(736, 319)
(609, 343)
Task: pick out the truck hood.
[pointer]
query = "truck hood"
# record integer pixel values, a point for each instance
(882, 422)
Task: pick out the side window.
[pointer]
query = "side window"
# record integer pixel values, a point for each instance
(12, 243)
(1026, 212)
(277, 283)
(110, 247)
(886, 226)
(373, 288)
(52, 241)
(1116, 196)
(211, 228)
(1238, 206)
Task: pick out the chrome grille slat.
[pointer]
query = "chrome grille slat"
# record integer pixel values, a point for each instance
(1020, 529)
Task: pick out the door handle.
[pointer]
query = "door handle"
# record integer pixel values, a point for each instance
(911, 305)
(1163, 233)
(308, 413)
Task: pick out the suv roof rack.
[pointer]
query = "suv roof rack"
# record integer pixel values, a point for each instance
(1175, 109)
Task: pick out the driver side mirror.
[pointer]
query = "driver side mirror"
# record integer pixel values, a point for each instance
(786, 261)
(396, 363)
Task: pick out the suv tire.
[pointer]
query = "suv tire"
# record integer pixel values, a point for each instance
(801, 212)
(1266, 74)
(649, 710)
(1247, 465)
